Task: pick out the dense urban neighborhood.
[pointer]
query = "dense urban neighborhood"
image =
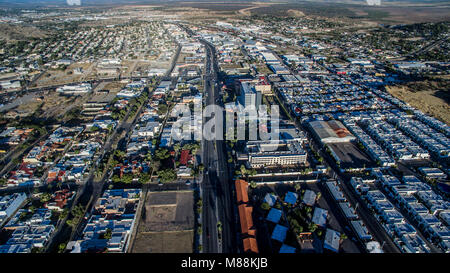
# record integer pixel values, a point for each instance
(138, 130)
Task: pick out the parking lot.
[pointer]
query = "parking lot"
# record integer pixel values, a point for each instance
(351, 156)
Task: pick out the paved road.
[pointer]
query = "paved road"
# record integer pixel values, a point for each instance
(365, 214)
(209, 190)
(216, 185)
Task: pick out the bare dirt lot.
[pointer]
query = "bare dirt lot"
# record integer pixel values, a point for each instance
(50, 103)
(56, 77)
(167, 223)
(16, 32)
(429, 97)
(164, 242)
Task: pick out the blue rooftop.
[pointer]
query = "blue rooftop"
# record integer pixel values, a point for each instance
(279, 233)
(291, 198)
(287, 249)
(274, 215)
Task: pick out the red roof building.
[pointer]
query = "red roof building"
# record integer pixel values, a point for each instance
(241, 191)
(245, 216)
(250, 245)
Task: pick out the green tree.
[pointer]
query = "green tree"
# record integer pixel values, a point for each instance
(162, 109)
(3, 181)
(127, 178)
(312, 227)
(265, 206)
(162, 154)
(144, 178)
(176, 147)
(167, 175)
(108, 234)
(243, 170)
(45, 197)
(64, 214)
(62, 247)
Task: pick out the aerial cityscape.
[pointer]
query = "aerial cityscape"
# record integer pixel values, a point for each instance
(232, 127)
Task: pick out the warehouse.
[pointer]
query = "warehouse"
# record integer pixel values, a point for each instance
(331, 132)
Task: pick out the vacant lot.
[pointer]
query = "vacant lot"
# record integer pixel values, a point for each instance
(57, 77)
(429, 97)
(166, 224)
(164, 242)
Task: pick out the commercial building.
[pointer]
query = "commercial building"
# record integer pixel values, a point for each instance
(248, 230)
(275, 153)
(332, 131)
(432, 173)
(249, 95)
(260, 83)
(250, 245)
(245, 216)
(78, 89)
(15, 84)
(241, 191)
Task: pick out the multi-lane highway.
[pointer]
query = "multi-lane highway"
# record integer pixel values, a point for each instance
(216, 186)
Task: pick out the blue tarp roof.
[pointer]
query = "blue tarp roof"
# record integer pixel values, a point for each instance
(291, 198)
(287, 249)
(279, 233)
(274, 215)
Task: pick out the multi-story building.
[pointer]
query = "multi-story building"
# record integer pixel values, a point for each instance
(280, 153)
(249, 95)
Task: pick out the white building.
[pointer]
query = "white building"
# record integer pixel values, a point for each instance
(78, 89)
(9, 204)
